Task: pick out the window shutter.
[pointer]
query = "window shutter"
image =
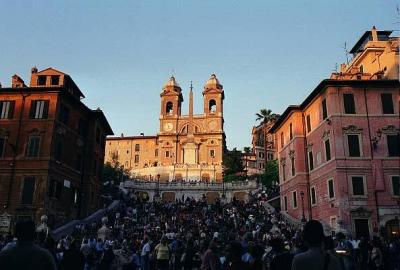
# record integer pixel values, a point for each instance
(393, 143)
(387, 104)
(349, 105)
(46, 109)
(32, 109)
(354, 145)
(28, 190)
(11, 109)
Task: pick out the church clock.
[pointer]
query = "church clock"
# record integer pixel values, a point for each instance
(168, 126)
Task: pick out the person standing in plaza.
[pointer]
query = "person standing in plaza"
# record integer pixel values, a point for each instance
(315, 257)
(162, 254)
(25, 255)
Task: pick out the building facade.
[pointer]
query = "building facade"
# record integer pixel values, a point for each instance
(187, 147)
(51, 149)
(339, 151)
(263, 145)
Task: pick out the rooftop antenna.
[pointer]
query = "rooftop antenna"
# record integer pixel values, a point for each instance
(346, 52)
(172, 73)
(397, 16)
(191, 85)
(335, 70)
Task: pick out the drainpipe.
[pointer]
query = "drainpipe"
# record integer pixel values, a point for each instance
(307, 166)
(15, 150)
(372, 155)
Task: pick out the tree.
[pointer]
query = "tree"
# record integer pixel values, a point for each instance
(266, 115)
(247, 150)
(232, 161)
(114, 171)
(271, 175)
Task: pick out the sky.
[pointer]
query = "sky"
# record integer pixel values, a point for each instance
(267, 54)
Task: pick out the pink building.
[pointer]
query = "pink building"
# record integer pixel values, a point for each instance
(339, 150)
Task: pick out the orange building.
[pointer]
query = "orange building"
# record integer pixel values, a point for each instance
(187, 147)
(51, 149)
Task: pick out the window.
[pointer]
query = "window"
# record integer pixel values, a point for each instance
(308, 123)
(310, 161)
(58, 150)
(212, 153)
(294, 197)
(39, 109)
(396, 185)
(78, 162)
(283, 172)
(357, 183)
(126, 164)
(41, 80)
(32, 149)
(137, 147)
(293, 167)
(64, 114)
(393, 144)
(331, 190)
(313, 196)
(282, 142)
(136, 158)
(285, 203)
(169, 108)
(28, 189)
(212, 106)
(55, 189)
(327, 150)
(166, 153)
(387, 104)
(55, 80)
(324, 110)
(3, 142)
(7, 109)
(156, 152)
(354, 145)
(349, 105)
(290, 131)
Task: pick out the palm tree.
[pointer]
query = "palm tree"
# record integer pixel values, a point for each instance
(266, 115)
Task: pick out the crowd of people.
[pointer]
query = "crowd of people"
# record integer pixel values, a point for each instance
(189, 234)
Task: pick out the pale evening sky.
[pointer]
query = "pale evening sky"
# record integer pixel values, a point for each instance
(267, 54)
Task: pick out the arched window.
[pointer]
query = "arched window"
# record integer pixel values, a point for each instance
(212, 106)
(169, 108)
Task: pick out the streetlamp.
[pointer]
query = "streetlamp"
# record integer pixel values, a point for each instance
(398, 221)
(158, 185)
(303, 218)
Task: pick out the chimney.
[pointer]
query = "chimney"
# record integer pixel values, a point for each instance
(34, 70)
(17, 82)
(374, 33)
(342, 67)
(122, 135)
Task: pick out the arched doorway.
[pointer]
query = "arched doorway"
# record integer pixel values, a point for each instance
(168, 196)
(392, 227)
(211, 197)
(205, 177)
(142, 195)
(240, 196)
(178, 177)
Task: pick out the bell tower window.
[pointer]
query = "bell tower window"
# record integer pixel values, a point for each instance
(212, 106)
(169, 108)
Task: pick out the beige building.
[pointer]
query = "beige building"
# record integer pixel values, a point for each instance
(186, 148)
(375, 55)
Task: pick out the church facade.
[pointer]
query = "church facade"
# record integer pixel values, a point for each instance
(186, 148)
